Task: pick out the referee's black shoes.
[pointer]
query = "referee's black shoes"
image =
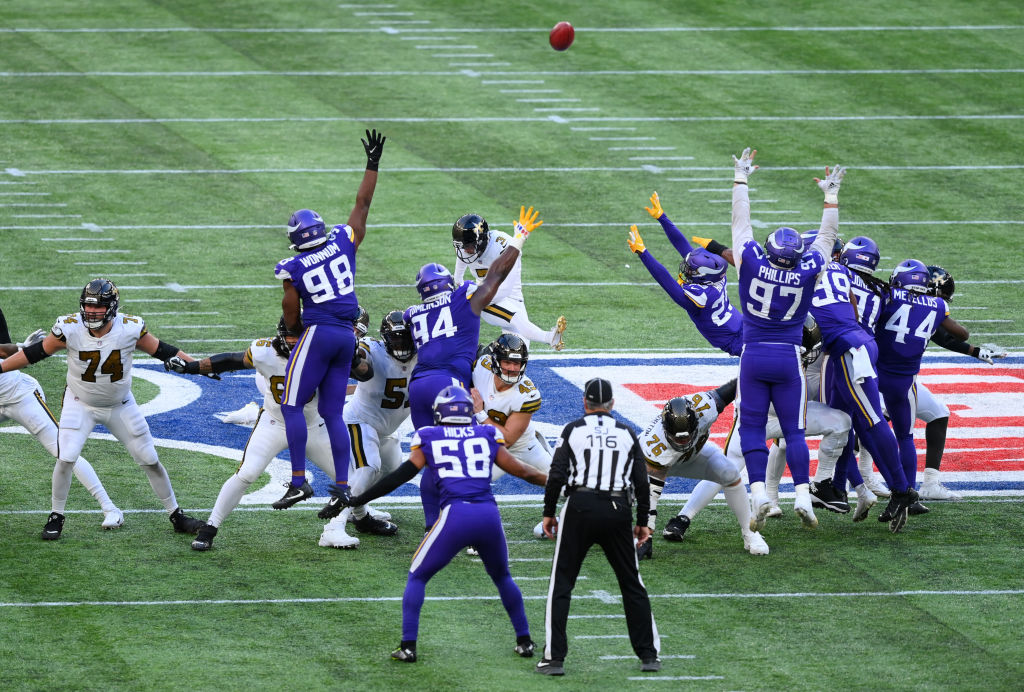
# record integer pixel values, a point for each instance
(650, 665)
(645, 551)
(548, 666)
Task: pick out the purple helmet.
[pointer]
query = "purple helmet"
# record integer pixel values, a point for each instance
(433, 280)
(453, 406)
(702, 267)
(784, 248)
(860, 254)
(810, 236)
(306, 229)
(912, 275)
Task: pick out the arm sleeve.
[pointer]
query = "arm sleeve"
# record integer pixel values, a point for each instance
(641, 484)
(389, 483)
(742, 231)
(460, 270)
(667, 282)
(724, 395)
(943, 338)
(827, 233)
(675, 236)
(558, 474)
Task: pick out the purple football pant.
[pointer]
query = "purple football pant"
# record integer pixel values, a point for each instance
(900, 395)
(863, 403)
(462, 524)
(423, 389)
(771, 374)
(321, 360)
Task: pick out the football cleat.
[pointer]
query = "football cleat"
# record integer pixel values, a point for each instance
(293, 495)
(335, 537)
(937, 491)
(183, 523)
(645, 550)
(802, 506)
(54, 525)
(204, 539)
(825, 496)
(547, 666)
(373, 525)
(774, 510)
(865, 501)
(917, 509)
(875, 483)
(112, 519)
(760, 505)
(538, 531)
(904, 501)
(754, 544)
(377, 513)
(650, 665)
(556, 339)
(525, 649)
(404, 654)
(676, 528)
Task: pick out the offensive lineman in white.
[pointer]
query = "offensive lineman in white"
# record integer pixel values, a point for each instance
(676, 443)
(476, 248)
(504, 397)
(373, 414)
(22, 400)
(101, 344)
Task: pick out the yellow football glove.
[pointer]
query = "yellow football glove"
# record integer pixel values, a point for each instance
(527, 221)
(635, 242)
(655, 209)
(703, 242)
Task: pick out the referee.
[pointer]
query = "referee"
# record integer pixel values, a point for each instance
(599, 460)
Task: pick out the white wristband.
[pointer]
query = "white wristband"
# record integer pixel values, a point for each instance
(517, 242)
(831, 198)
(481, 416)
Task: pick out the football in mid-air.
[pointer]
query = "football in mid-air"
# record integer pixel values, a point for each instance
(562, 35)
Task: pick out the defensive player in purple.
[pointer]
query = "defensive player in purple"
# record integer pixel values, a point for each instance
(446, 329)
(320, 281)
(907, 323)
(776, 283)
(699, 287)
(463, 455)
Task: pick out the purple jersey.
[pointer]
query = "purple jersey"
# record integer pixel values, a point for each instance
(325, 280)
(904, 329)
(447, 333)
(462, 457)
(775, 301)
(834, 312)
(869, 303)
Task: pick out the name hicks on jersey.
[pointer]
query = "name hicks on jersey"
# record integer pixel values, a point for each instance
(317, 257)
(779, 276)
(459, 431)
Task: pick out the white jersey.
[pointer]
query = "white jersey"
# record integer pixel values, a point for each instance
(272, 368)
(523, 397)
(382, 401)
(100, 367)
(15, 386)
(512, 286)
(656, 449)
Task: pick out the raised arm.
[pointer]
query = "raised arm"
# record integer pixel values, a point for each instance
(500, 268)
(667, 282)
(674, 235)
(830, 213)
(742, 231)
(374, 146)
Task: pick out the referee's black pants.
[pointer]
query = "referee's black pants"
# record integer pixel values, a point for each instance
(588, 518)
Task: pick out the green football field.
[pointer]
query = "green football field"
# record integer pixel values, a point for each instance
(164, 145)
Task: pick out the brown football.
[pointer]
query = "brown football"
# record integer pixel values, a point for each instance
(562, 35)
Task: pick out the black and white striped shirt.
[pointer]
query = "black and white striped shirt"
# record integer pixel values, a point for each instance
(600, 453)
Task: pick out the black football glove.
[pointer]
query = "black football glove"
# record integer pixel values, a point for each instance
(341, 497)
(374, 146)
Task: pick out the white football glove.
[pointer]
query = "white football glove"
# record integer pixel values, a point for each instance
(830, 184)
(744, 165)
(33, 338)
(989, 352)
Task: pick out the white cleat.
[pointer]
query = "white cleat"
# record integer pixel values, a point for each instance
(775, 510)
(375, 513)
(876, 484)
(937, 491)
(112, 519)
(865, 501)
(335, 537)
(538, 531)
(472, 551)
(802, 506)
(556, 339)
(760, 505)
(754, 544)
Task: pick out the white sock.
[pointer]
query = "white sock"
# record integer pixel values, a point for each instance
(739, 503)
(359, 480)
(757, 489)
(864, 462)
(701, 496)
(161, 484)
(773, 472)
(60, 485)
(86, 475)
(803, 493)
(227, 499)
(338, 522)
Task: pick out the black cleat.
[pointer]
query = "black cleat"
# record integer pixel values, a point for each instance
(526, 649)
(645, 551)
(183, 523)
(904, 501)
(825, 496)
(404, 654)
(548, 666)
(650, 665)
(54, 525)
(676, 527)
(204, 539)
(377, 527)
(293, 495)
(917, 509)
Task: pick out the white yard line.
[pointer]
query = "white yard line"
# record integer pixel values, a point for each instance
(515, 30)
(108, 264)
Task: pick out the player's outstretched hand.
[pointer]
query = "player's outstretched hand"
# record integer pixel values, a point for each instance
(989, 352)
(527, 222)
(33, 338)
(374, 146)
(655, 209)
(703, 242)
(744, 165)
(176, 364)
(635, 242)
(830, 183)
